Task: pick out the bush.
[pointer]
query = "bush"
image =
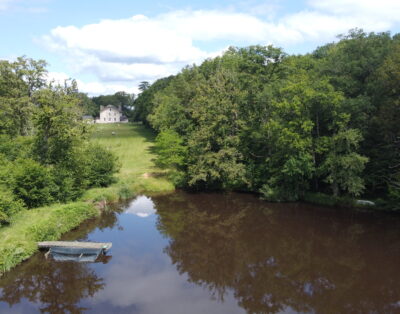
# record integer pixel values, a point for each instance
(101, 165)
(276, 194)
(8, 206)
(124, 193)
(329, 200)
(14, 148)
(33, 183)
(68, 187)
(320, 199)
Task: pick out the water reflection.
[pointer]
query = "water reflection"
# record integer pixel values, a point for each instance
(142, 206)
(143, 285)
(56, 287)
(213, 253)
(284, 256)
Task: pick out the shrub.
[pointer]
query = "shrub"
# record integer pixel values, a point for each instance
(101, 165)
(276, 194)
(70, 182)
(8, 206)
(329, 200)
(14, 148)
(33, 183)
(320, 199)
(124, 193)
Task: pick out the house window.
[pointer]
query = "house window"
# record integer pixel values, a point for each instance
(115, 119)
(104, 119)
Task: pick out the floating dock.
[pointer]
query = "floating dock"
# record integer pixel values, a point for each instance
(75, 245)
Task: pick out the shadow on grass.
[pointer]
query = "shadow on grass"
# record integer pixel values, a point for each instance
(148, 134)
(123, 130)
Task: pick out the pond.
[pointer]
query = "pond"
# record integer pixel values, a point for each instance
(219, 253)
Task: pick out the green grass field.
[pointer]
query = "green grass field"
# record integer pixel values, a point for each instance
(132, 143)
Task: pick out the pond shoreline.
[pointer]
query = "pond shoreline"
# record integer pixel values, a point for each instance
(131, 143)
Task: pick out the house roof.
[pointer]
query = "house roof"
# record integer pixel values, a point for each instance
(102, 108)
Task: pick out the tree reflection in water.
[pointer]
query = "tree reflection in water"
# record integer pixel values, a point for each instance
(278, 256)
(57, 286)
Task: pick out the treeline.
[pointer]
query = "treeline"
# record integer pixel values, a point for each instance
(45, 155)
(287, 126)
(91, 105)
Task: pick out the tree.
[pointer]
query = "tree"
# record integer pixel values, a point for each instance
(58, 125)
(343, 164)
(143, 86)
(18, 81)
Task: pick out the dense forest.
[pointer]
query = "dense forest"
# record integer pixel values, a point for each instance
(290, 127)
(45, 155)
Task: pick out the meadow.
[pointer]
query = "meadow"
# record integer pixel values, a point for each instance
(132, 143)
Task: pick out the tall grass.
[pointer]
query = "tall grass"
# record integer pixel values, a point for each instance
(19, 239)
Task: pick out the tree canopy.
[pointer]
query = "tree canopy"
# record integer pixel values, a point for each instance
(258, 119)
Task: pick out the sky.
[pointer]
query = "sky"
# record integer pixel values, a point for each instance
(110, 46)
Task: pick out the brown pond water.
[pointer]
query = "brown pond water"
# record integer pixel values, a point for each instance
(219, 253)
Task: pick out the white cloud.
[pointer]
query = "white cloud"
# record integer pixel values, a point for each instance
(100, 88)
(126, 51)
(142, 48)
(383, 9)
(142, 206)
(155, 286)
(93, 88)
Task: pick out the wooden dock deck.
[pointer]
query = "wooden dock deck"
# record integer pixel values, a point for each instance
(105, 246)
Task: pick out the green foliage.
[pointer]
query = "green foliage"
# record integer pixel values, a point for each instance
(9, 206)
(33, 183)
(19, 240)
(328, 200)
(44, 151)
(144, 102)
(101, 165)
(58, 127)
(122, 99)
(18, 82)
(62, 219)
(171, 152)
(17, 147)
(70, 183)
(343, 165)
(257, 119)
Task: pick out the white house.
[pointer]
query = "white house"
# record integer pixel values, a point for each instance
(111, 114)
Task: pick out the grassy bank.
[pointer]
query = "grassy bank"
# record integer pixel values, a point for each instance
(18, 241)
(132, 143)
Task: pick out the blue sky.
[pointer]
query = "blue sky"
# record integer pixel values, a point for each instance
(113, 45)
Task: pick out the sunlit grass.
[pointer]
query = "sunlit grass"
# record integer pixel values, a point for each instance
(19, 239)
(133, 144)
